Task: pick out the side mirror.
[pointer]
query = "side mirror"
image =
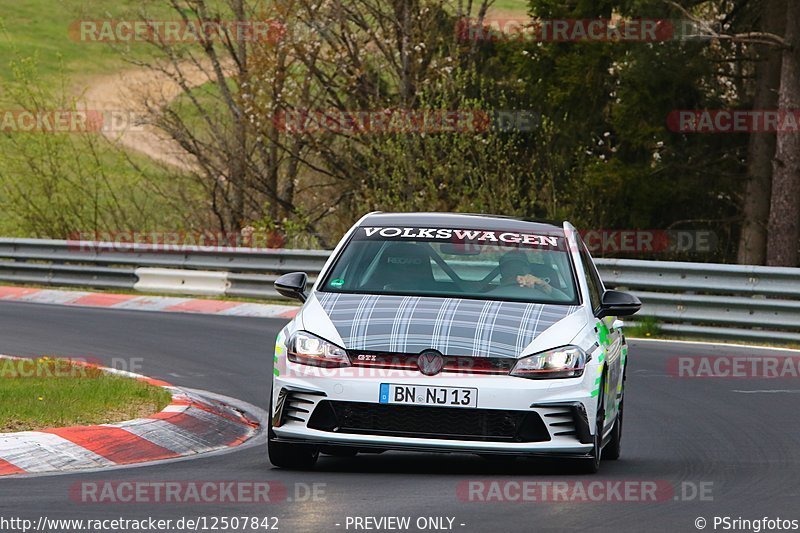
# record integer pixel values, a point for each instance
(292, 285)
(618, 303)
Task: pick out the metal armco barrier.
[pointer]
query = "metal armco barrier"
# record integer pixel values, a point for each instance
(202, 282)
(711, 300)
(687, 299)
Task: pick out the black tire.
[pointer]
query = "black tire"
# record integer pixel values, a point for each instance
(612, 450)
(591, 464)
(289, 455)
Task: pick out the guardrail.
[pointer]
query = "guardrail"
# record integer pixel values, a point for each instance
(687, 299)
(250, 272)
(711, 300)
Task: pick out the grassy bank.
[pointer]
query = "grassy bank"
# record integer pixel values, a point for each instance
(41, 29)
(46, 393)
(52, 185)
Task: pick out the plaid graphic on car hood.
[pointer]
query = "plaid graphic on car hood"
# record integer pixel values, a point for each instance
(411, 324)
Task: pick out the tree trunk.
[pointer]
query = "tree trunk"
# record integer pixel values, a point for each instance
(238, 164)
(761, 148)
(784, 215)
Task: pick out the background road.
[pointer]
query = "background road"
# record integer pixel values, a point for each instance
(679, 430)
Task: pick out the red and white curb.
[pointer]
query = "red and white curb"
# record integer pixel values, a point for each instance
(146, 303)
(192, 424)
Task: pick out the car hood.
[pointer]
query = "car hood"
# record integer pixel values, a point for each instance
(456, 327)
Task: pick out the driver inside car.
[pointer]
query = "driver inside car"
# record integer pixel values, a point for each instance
(515, 270)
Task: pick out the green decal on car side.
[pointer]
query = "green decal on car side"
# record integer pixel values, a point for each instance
(602, 333)
(278, 352)
(602, 337)
(619, 386)
(337, 283)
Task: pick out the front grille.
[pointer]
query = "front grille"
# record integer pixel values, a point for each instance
(459, 364)
(428, 422)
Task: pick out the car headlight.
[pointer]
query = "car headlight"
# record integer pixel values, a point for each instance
(564, 362)
(308, 349)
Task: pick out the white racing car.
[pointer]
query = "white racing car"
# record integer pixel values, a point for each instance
(451, 333)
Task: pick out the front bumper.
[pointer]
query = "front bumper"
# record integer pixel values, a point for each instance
(564, 406)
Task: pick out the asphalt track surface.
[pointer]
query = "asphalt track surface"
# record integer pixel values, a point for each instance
(682, 431)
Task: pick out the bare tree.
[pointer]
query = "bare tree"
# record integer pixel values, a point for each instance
(242, 168)
(334, 57)
(341, 58)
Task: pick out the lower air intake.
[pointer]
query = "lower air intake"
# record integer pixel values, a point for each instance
(428, 422)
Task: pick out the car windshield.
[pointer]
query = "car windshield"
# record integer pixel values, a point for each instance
(456, 263)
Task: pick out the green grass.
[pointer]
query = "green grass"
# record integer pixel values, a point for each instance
(40, 28)
(517, 7)
(777, 343)
(46, 393)
(645, 326)
(210, 98)
(145, 210)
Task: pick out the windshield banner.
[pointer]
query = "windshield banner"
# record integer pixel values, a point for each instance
(463, 236)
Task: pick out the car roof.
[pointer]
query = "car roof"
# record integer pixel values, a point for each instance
(460, 221)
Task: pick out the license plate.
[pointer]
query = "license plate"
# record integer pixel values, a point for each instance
(425, 395)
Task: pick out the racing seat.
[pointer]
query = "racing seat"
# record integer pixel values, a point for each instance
(404, 267)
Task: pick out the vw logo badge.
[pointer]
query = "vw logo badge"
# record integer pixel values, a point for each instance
(430, 362)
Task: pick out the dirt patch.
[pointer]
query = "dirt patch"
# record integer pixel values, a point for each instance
(131, 95)
(513, 14)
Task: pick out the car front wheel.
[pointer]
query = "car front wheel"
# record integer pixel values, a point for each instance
(591, 464)
(612, 449)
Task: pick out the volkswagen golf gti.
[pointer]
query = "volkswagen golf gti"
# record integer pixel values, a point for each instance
(439, 332)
